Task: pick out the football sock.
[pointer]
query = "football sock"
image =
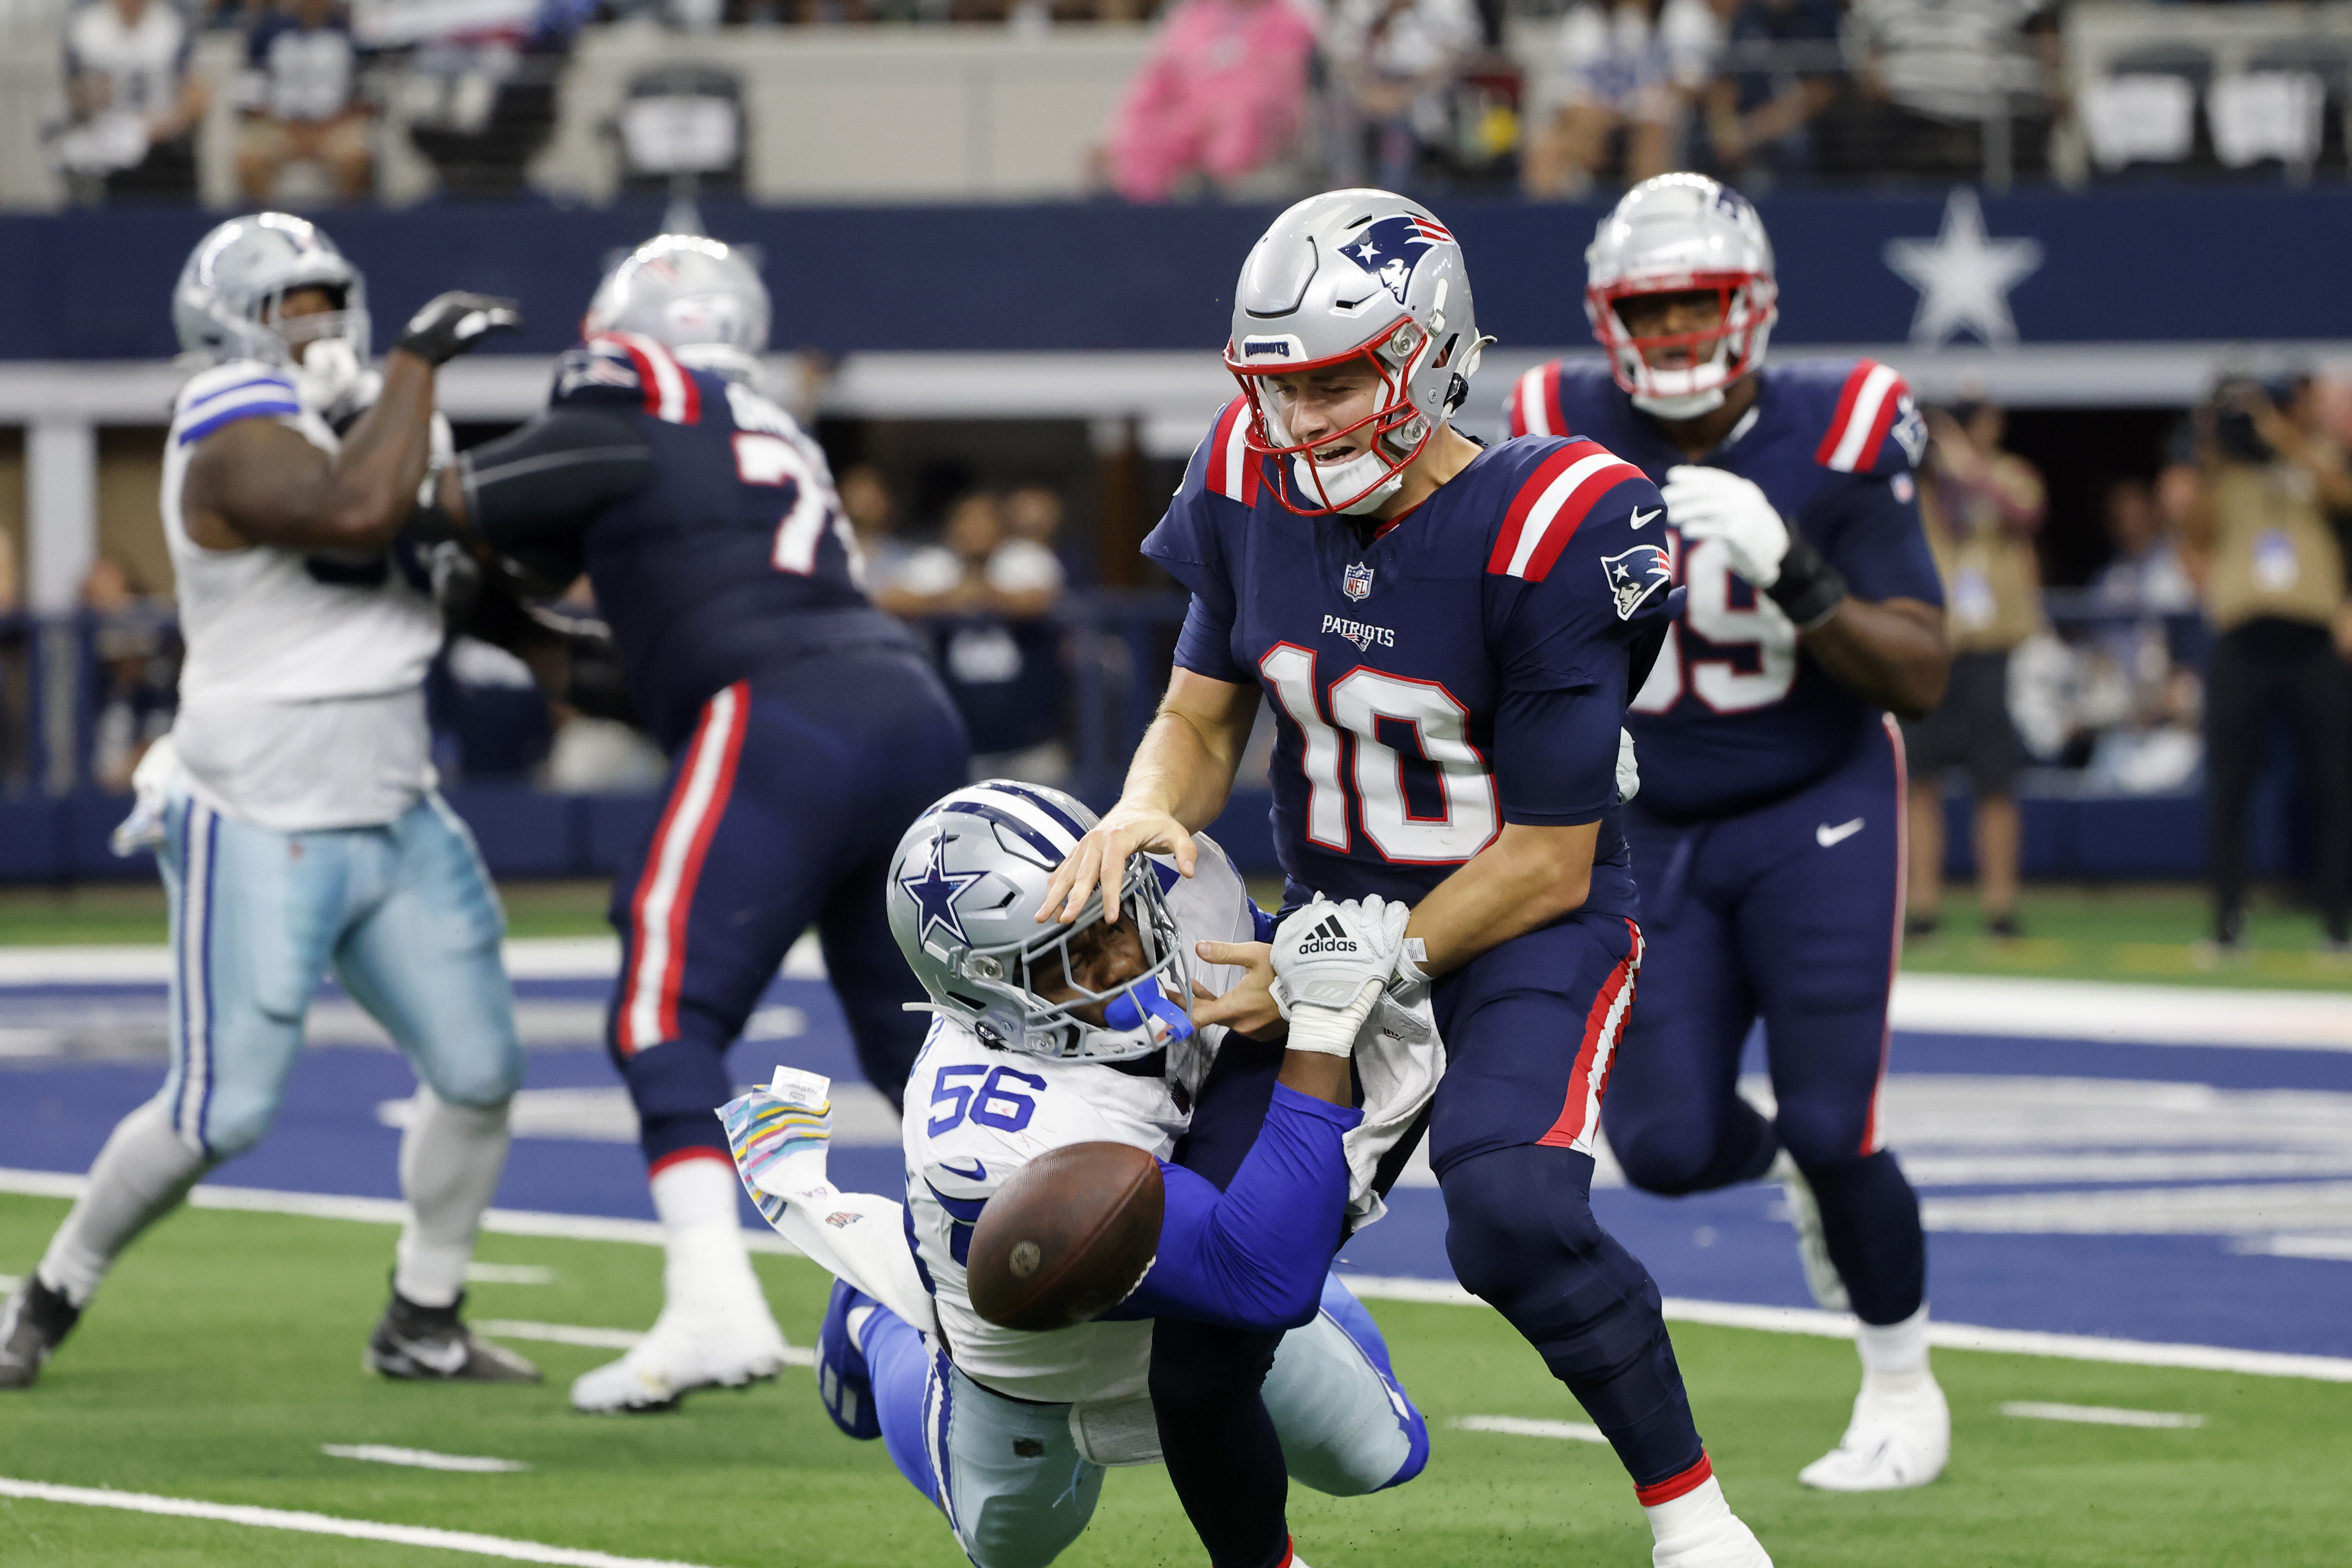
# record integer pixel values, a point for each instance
(707, 1265)
(1893, 1355)
(140, 1175)
(900, 1364)
(450, 1159)
(1702, 1504)
(1869, 1222)
(1520, 1233)
(1223, 1454)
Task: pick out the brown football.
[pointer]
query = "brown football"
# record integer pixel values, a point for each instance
(1068, 1236)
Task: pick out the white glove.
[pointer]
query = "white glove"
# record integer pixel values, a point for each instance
(1331, 963)
(1629, 772)
(1710, 503)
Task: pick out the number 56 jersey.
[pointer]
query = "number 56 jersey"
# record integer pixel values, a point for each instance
(1733, 714)
(1433, 679)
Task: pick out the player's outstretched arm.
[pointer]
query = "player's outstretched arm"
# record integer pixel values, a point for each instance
(1178, 783)
(1893, 652)
(1529, 876)
(259, 482)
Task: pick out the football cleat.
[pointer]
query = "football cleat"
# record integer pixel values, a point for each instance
(687, 1348)
(1822, 1277)
(1720, 1543)
(1898, 1438)
(32, 1324)
(432, 1344)
(843, 1381)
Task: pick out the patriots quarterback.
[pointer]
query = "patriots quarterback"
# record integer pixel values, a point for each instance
(805, 728)
(1051, 1037)
(292, 809)
(1771, 835)
(1449, 636)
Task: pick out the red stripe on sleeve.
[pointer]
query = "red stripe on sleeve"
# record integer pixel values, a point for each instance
(1554, 408)
(1220, 474)
(1572, 513)
(1847, 395)
(1515, 522)
(647, 381)
(1676, 1485)
(1889, 407)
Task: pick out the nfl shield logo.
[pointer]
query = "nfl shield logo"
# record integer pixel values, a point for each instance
(1358, 583)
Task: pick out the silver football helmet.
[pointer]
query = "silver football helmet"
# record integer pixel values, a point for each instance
(966, 884)
(1675, 233)
(700, 299)
(1346, 275)
(229, 300)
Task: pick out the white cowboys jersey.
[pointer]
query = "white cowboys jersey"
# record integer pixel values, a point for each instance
(301, 702)
(975, 1115)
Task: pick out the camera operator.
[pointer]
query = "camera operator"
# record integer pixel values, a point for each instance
(2273, 491)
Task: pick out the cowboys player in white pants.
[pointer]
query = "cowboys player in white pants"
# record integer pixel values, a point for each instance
(301, 829)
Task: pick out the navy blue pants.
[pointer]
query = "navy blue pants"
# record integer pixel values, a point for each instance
(1792, 912)
(781, 811)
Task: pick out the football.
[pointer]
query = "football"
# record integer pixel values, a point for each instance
(1068, 1236)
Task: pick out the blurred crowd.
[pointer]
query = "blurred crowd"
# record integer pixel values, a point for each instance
(1248, 98)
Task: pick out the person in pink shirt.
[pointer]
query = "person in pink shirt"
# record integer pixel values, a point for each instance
(1222, 94)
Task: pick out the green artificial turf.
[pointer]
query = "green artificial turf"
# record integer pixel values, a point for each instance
(226, 1349)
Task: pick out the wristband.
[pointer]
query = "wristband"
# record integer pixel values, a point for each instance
(1331, 1031)
(1808, 588)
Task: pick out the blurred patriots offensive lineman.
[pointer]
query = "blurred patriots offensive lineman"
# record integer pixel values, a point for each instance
(1449, 634)
(299, 825)
(1062, 1035)
(805, 732)
(1771, 837)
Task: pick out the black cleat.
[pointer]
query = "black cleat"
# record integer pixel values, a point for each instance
(433, 1344)
(32, 1324)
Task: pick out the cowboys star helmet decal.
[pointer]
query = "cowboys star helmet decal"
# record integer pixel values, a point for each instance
(935, 889)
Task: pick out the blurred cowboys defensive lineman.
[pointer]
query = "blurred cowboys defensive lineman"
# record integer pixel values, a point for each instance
(301, 829)
(1771, 839)
(805, 728)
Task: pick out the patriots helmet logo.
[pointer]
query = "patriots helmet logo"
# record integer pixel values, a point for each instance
(935, 889)
(1392, 247)
(1356, 581)
(1636, 574)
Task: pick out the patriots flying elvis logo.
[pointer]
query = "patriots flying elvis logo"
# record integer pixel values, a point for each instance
(1392, 247)
(1636, 574)
(935, 889)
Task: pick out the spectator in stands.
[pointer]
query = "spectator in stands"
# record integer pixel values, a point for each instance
(133, 101)
(137, 668)
(301, 101)
(988, 598)
(1391, 62)
(873, 513)
(2147, 572)
(1981, 507)
(1221, 97)
(2274, 491)
(1787, 70)
(1932, 72)
(1634, 67)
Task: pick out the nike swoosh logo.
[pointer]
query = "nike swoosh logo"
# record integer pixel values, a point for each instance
(1641, 517)
(979, 1172)
(1829, 837)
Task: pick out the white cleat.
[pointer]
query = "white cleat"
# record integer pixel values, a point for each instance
(1898, 1437)
(1724, 1542)
(1813, 1243)
(685, 1350)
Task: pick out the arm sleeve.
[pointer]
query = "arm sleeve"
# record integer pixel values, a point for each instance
(543, 483)
(1556, 754)
(1253, 1257)
(1205, 645)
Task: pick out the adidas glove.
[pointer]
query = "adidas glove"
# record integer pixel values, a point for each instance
(1629, 770)
(1709, 503)
(1331, 962)
(456, 323)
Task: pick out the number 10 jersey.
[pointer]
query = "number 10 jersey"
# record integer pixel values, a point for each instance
(1436, 678)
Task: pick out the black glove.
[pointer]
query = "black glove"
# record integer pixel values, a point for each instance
(1808, 588)
(452, 323)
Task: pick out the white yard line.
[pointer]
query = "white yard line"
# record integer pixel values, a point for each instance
(9, 1282)
(2097, 1415)
(509, 1274)
(1521, 1427)
(419, 1458)
(2338, 1249)
(327, 1524)
(527, 958)
(593, 1337)
(1947, 1336)
(2121, 1013)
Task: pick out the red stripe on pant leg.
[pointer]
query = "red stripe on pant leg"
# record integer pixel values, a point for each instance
(646, 873)
(1895, 939)
(680, 1156)
(1571, 1125)
(1679, 1484)
(690, 870)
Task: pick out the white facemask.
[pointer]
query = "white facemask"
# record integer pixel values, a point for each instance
(330, 368)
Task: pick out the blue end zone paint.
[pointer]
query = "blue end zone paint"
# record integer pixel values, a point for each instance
(54, 1115)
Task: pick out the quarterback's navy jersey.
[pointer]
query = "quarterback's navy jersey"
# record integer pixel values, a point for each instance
(1734, 713)
(1434, 680)
(732, 556)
